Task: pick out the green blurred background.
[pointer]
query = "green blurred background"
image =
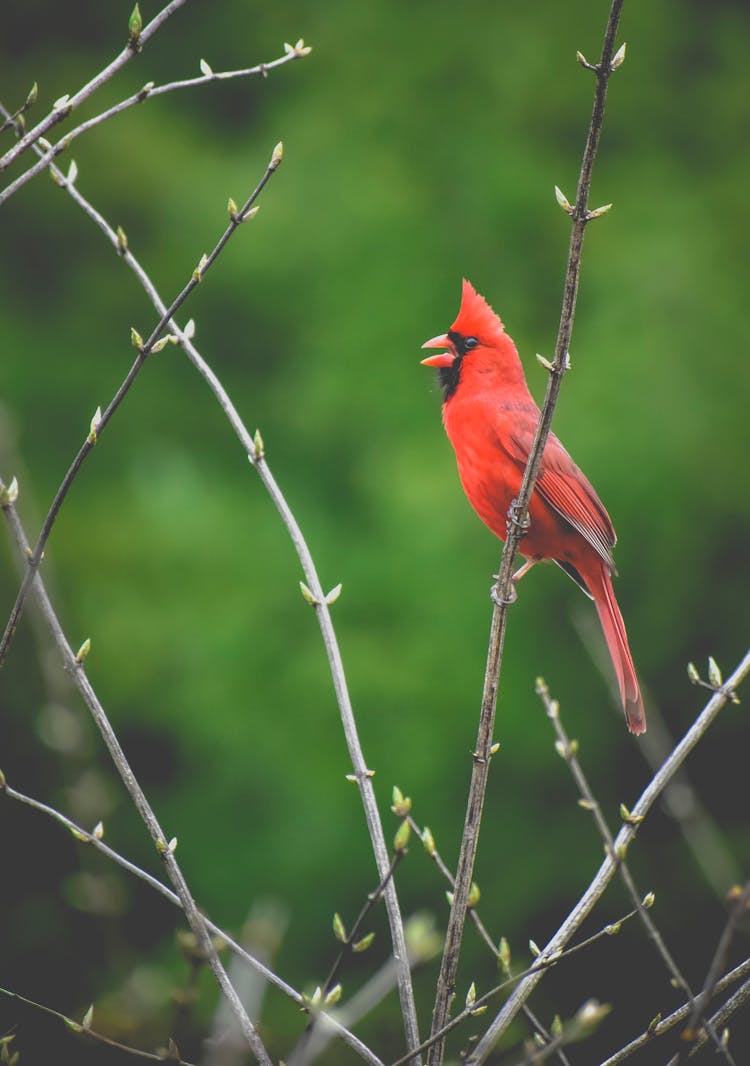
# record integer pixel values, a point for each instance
(422, 142)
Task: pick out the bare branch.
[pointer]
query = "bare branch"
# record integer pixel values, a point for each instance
(51, 152)
(320, 600)
(739, 909)
(659, 1026)
(145, 349)
(681, 799)
(62, 110)
(85, 837)
(165, 848)
(171, 1052)
(429, 846)
(517, 525)
(540, 965)
(608, 868)
(569, 751)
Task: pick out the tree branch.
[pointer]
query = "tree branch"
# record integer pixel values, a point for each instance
(85, 837)
(165, 849)
(739, 909)
(608, 868)
(84, 1029)
(568, 750)
(517, 525)
(659, 1026)
(539, 966)
(51, 152)
(101, 419)
(57, 114)
(362, 774)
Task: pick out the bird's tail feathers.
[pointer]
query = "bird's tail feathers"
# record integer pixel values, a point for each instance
(617, 642)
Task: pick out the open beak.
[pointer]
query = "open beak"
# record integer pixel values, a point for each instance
(442, 358)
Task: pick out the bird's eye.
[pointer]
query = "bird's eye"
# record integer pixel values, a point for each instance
(469, 343)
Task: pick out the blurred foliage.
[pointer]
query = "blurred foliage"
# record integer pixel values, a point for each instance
(422, 143)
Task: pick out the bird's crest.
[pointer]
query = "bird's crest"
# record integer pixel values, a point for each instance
(476, 318)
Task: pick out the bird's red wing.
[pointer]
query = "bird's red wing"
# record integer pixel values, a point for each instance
(564, 486)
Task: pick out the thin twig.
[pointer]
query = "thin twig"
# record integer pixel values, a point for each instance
(328, 988)
(88, 1033)
(353, 934)
(659, 1026)
(11, 121)
(538, 967)
(434, 854)
(86, 837)
(100, 423)
(681, 799)
(57, 114)
(568, 750)
(517, 525)
(740, 906)
(165, 849)
(51, 152)
(423, 942)
(361, 772)
(609, 867)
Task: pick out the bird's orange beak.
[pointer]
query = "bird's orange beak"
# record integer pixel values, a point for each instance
(442, 358)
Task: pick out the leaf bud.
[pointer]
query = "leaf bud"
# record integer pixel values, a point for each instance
(563, 200)
(714, 673)
(363, 944)
(401, 839)
(307, 595)
(429, 842)
(83, 651)
(339, 930)
(401, 804)
(619, 57)
(135, 24)
(260, 448)
(333, 996)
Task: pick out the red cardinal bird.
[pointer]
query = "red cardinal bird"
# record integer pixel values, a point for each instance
(491, 417)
